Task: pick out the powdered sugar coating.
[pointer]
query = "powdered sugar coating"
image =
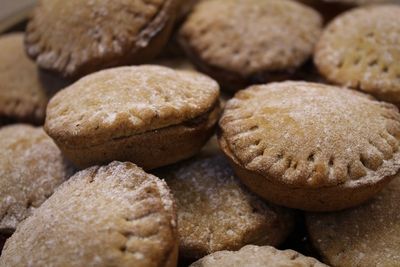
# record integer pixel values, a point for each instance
(367, 235)
(255, 256)
(124, 101)
(77, 37)
(312, 135)
(251, 36)
(215, 212)
(31, 167)
(361, 49)
(115, 215)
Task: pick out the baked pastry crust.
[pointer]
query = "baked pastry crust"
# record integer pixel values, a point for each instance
(124, 101)
(89, 36)
(359, 49)
(31, 167)
(151, 149)
(215, 211)
(115, 215)
(255, 256)
(22, 96)
(312, 141)
(144, 114)
(367, 235)
(240, 41)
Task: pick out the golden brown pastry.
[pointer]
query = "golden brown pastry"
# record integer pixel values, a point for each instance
(255, 256)
(114, 215)
(23, 97)
(360, 49)
(75, 37)
(215, 212)
(150, 115)
(238, 42)
(31, 167)
(368, 235)
(311, 146)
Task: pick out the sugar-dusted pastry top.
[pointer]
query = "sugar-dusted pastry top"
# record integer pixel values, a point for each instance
(124, 101)
(22, 96)
(69, 36)
(215, 212)
(114, 215)
(312, 135)
(31, 167)
(367, 235)
(251, 36)
(255, 256)
(360, 49)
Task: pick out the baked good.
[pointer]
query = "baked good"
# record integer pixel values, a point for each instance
(215, 212)
(239, 42)
(150, 115)
(75, 37)
(368, 235)
(255, 256)
(114, 215)
(22, 96)
(311, 146)
(359, 50)
(31, 167)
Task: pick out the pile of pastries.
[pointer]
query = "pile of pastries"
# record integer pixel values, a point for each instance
(201, 133)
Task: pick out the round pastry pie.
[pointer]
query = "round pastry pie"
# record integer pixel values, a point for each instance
(311, 146)
(238, 42)
(216, 213)
(149, 115)
(255, 256)
(31, 167)
(77, 37)
(22, 95)
(360, 49)
(115, 215)
(368, 235)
